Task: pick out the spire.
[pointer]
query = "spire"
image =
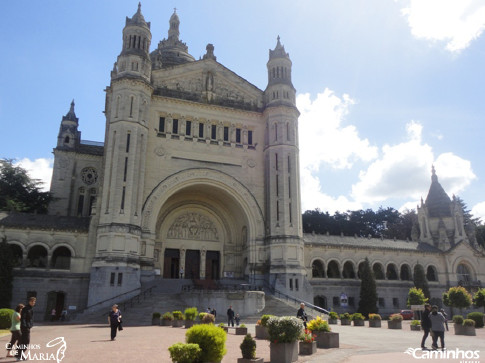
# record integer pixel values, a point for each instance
(437, 201)
(71, 115)
(279, 51)
(173, 31)
(434, 178)
(138, 19)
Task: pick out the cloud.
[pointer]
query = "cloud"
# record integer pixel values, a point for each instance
(325, 141)
(456, 22)
(478, 211)
(404, 170)
(38, 169)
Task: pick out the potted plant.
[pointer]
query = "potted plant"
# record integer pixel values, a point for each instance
(478, 317)
(166, 319)
(248, 350)
(358, 319)
(469, 327)
(262, 327)
(307, 345)
(208, 319)
(283, 334)
(375, 321)
(458, 324)
(345, 319)
(222, 326)
(211, 340)
(416, 325)
(156, 318)
(178, 319)
(332, 317)
(324, 337)
(201, 316)
(181, 353)
(395, 321)
(190, 315)
(241, 330)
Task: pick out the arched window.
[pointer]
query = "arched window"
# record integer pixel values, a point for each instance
(66, 140)
(391, 272)
(406, 273)
(37, 257)
(378, 271)
(61, 258)
(463, 273)
(348, 272)
(320, 301)
(360, 269)
(318, 270)
(431, 274)
(17, 255)
(333, 270)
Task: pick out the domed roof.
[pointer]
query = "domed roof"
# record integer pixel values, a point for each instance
(437, 202)
(138, 19)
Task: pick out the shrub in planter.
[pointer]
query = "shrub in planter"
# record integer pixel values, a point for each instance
(166, 319)
(190, 315)
(6, 318)
(248, 347)
(285, 329)
(332, 317)
(469, 322)
(395, 321)
(318, 324)
(261, 327)
(469, 327)
(323, 335)
(345, 319)
(178, 319)
(201, 316)
(375, 320)
(184, 353)
(307, 344)
(241, 330)
(208, 319)
(156, 318)
(458, 319)
(211, 340)
(264, 319)
(415, 325)
(458, 324)
(477, 317)
(358, 319)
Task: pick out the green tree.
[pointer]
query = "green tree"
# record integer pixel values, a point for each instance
(368, 291)
(6, 274)
(480, 233)
(479, 298)
(420, 281)
(19, 192)
(416, 297)
(457, 297)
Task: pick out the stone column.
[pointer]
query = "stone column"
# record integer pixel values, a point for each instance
(202, 264)
(182, 261)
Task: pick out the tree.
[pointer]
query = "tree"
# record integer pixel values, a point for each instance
(6, 274)
(420, 281)
(480, 233)
(368, 291)
(416, 297)
(479, 299)
(457, 297)
(19, 192)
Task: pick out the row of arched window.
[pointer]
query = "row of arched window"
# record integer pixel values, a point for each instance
(38, 257)
(348, 271)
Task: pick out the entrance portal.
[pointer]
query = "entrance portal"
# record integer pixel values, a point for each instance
(171, 264)
(320, 301)
(212, 265)
(192, 264)
(55, 300)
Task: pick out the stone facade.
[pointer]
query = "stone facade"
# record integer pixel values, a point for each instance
(198, 176)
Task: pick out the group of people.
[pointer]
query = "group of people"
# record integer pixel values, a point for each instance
(22, 322)
(231, 317)
(433, 321)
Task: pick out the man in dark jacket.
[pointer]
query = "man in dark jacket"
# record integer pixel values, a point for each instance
(425, 324)
(301, 314)
(230, 316)
(26, 323)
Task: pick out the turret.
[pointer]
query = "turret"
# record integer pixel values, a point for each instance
(69, 136)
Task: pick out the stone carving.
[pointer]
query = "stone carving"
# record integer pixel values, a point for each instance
(251, 163)
(159, 150)
(193, 226)
(89, 176)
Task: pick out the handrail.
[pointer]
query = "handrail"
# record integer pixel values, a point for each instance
(294, 299)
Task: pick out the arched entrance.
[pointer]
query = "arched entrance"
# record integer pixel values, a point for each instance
(320, 301)
(55, 300)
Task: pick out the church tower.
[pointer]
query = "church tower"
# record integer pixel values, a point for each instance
(282, 177)
(120, 253)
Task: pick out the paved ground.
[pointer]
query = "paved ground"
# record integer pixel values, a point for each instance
(91, 343)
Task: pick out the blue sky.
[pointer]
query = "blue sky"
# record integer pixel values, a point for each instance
(385, 88)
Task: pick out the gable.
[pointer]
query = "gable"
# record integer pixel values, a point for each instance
(207, 81)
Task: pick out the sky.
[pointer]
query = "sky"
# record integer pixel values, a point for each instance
(386, 89)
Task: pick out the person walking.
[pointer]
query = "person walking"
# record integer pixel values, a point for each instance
(301, 314)
(437, 327)
(442, 311)
(114, 320)
(53, 314)
(15, 330)
(425, 324)
(230, 316)
(26, 323)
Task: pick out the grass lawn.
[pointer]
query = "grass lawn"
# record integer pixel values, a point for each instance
(4, 332)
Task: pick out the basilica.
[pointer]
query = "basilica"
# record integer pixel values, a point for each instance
(198, 178)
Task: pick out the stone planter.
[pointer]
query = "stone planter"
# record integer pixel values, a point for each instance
(255, 360)
(226, 329)
(358, 322)
(283, 352)
(177, 323)
(416, 327)
(327, 340)
(374, 323)
(155, 321)
(333, 321)
(189, 324)
(394, 324)
(307, 348)
(165, 322)
(344, 321)
(262, 332)
(469, 330)
(241, 331)
(458, 329)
